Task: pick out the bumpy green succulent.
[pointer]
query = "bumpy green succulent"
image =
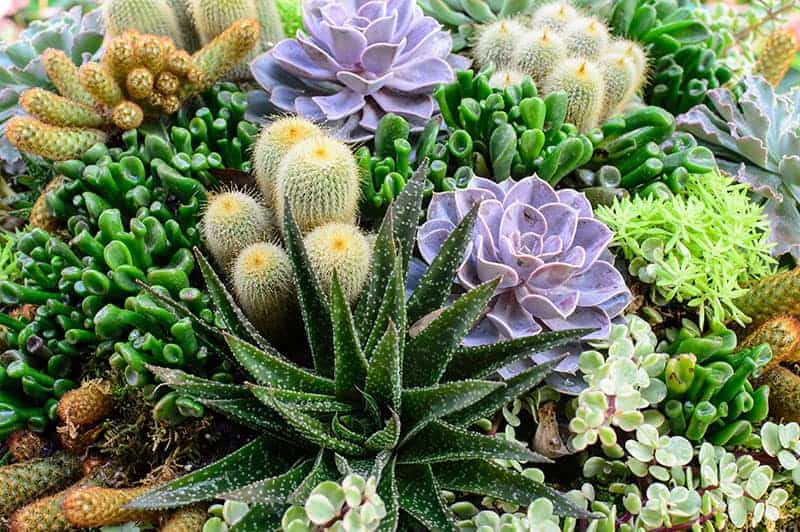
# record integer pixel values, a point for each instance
(79, 35)
(404, 420)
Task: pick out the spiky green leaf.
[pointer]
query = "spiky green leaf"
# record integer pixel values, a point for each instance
(351, 364)
(275, 490)
(342, 429)
(478, 362)
(406, 211)
(420, 496)
(315, 431)
(313, 300)
(272, 371)
(324, 468)
(485, 478)
(250, 413)
(442, 442)
(304, 401)
(383, 378)
(387, 490)
(515, 387)
(387, 437)
(428, 354)
(195, 386)
(393, 307)
(232, 316)
(423, 405)
(263, 457)
(383, 259)
(437, 283)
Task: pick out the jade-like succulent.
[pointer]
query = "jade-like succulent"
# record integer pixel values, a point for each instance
(403, 420)
(225, 516)
(349, 83)
(654, 455)
(783, 442)
(755, 138)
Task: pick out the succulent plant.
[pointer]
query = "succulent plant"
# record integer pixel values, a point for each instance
(620, 386)
(708, 208)
(24, 482)
(77, 34)
(341, 251)
(191, 519)
(225, 516)
(772, 296)
(367, 404)
(777, 55)
(754, 137)
(95, 506)
(782, 441)
(653, 454)
(353, 504)
(546, 245)
(350, 78)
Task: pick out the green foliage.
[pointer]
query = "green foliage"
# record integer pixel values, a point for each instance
(386, 410)
(783, 442)
(225, 516)
(666, 244)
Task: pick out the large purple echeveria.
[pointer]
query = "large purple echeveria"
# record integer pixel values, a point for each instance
(355, 61)
(549, 249)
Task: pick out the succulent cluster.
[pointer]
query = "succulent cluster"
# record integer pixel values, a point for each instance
(546, 247)
(565, 51)
(350, 78)
(754, 137)
(665, 242)
(79, 35)
(225, 516)
(138, 74)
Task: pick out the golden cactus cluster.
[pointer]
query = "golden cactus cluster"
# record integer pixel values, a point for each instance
(139, 75)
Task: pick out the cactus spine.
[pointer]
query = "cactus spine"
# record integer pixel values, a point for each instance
(783, 336)
(226, 50)
(86, 405)
(634, 52)
(554, 16)
(784, 393)
(189, 519)
(94, 506)
(586, 38)
(51, 142)
(264, 285)
(777, 55)
(274, 141)
(59, 111)
(583, 82)
(342, 248)
(505, 78)
(25, 445)
(775, 295)
(43, 515)
(63, 73)
(319, 178)
(147, 16)
(497, 41)
(621, 78)
(232, 221)
(99, 82)
(538, 54)
(24, 482)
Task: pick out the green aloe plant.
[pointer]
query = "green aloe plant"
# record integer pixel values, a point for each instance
(392, 395)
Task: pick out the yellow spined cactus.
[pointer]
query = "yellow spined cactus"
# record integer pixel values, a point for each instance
(99, 82)
(25, 445)
(51, 142)
(42, 515)
(783, 336)
(220, 55)
(189, 519)
(775, 295)
(94, 506)
(86, 405)
(59, 111)
(777, 55)
(25, 482)
(63, 73)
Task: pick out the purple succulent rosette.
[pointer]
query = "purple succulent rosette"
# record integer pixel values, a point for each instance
(550, 251)
(356, 61)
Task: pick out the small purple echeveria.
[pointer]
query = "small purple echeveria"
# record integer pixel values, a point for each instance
(356, 61)
(546, 245)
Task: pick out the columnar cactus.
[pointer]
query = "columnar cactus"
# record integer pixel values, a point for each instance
(777, 55)
(94, 506)
(154, 17)
(24, 482)
(86, 405)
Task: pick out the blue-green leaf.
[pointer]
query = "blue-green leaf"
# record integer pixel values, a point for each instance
(275, 490)
(383, 260)
(383, 377)
(420, 496)
(406, 211)
(315, 431)
(305, 401)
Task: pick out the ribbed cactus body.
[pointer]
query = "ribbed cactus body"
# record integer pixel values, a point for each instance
(127, 115)
(232, 221)
(497, 41)
(274, 141)
(59, 111)
(784, 393)
(319, 178)
(783, 336)
(583, 82)
(776, 295)
(86, 405)
(155, 17)
(264, 285)
(24, 482)
(212, 17)
(777, 55)
(554, 16)
(586, 38)
(538, 54)
(43, 515)
(189, 519)
(271, 24)
(98, 81)
(63, 73)
(342, 248)
(634, 52)
(220, 55)
(183, 16)
(51, 142)
(502, 79)
(95, 506)
(621, 78)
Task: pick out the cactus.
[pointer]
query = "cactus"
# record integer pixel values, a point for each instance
(189, 519)
(777, 55)
(24, 482)
(775, 295)
(59, 111)
(220, 55)
(784, 396)
(319, 178)
(95, 506)
(583, 82)
(42, 515)
(40, 215)
(233, 220)
(622, 81)
(586, 38)
(63, 73)
(632, 50)
(51, 142)
(503, 79)
(783, 336)
(87, 405)
(100, 84)
(25, 445)
(274, 141)
(538, 54)
(497, 41)
(342, 248)
(264, 286)
(554, 16)
(146, 16)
